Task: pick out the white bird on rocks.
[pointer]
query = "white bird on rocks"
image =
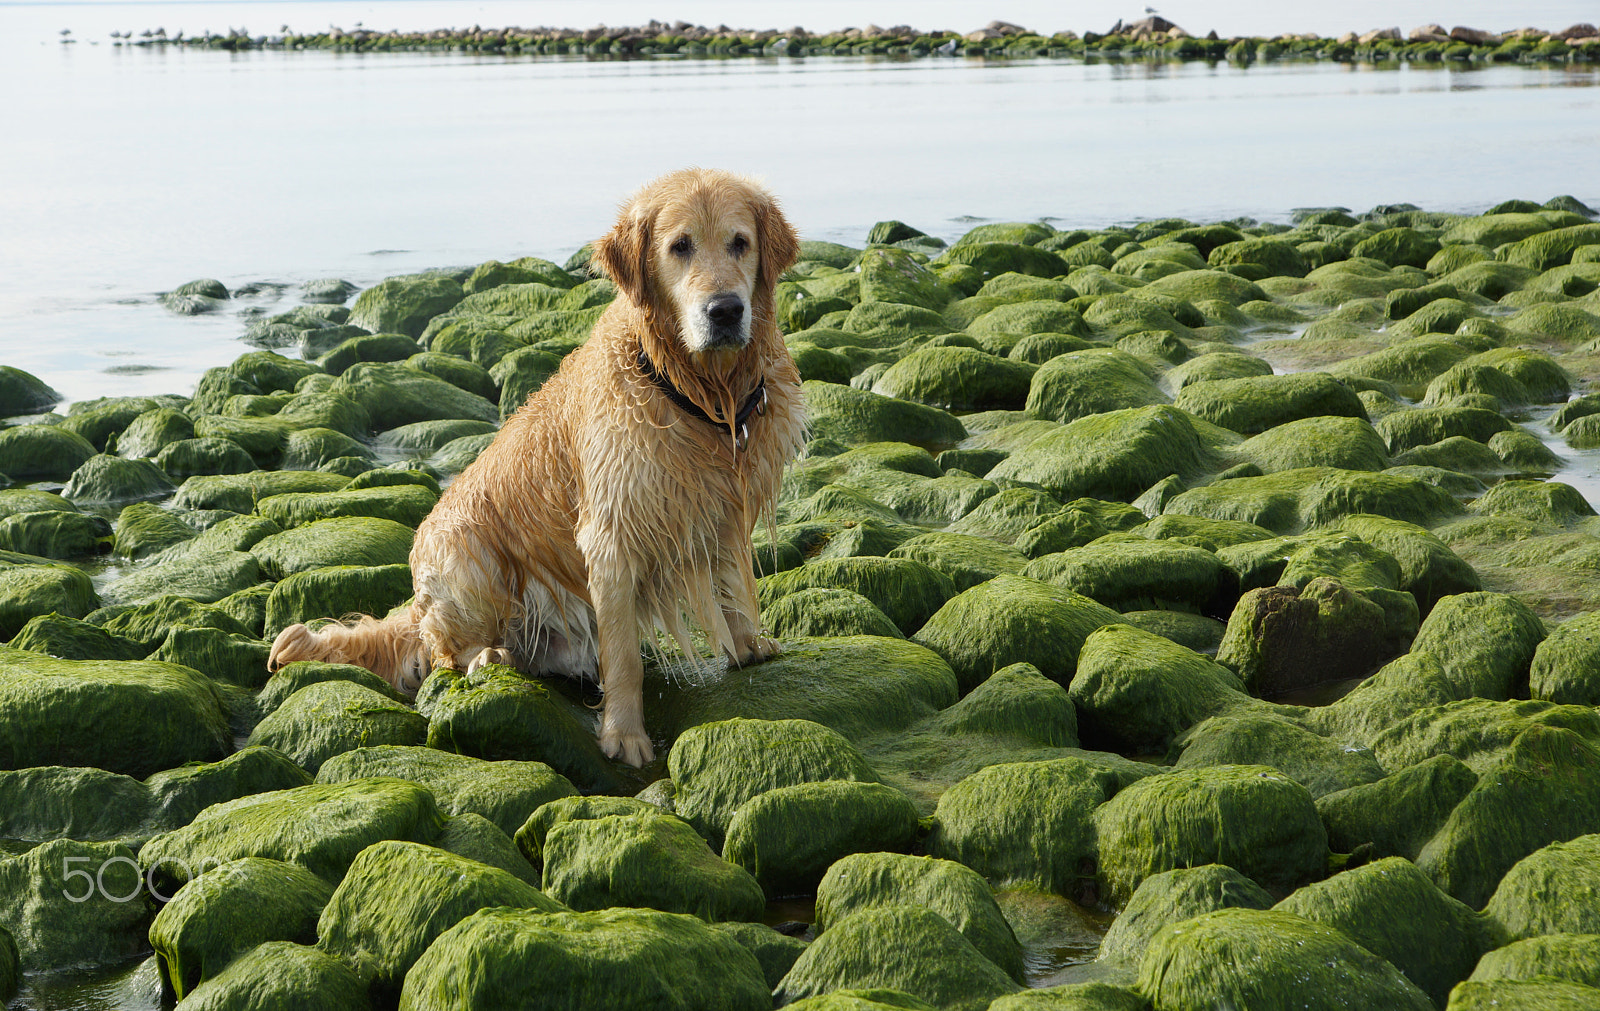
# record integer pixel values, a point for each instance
(946, 49)
(780, 46)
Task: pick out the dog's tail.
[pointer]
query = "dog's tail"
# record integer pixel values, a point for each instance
(388, 647)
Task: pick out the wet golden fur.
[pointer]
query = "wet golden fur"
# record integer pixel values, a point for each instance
(602, 510)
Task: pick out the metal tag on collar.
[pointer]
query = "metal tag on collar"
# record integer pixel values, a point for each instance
(761, 405)
(741, 438)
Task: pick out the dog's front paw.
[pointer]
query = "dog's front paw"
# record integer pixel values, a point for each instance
(632, 746)
(758, 648)
(489, 655)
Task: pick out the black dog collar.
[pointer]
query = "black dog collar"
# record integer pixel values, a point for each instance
(755, 403)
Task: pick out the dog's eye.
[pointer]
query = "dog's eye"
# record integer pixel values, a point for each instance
(681, 246)
(738, 246)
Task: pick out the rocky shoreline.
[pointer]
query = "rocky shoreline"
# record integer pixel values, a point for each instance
(1176, 615)
(1152, 37)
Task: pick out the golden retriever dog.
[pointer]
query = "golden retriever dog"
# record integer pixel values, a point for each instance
(621, 497)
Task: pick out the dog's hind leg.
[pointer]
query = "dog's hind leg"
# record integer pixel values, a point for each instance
(736, 586)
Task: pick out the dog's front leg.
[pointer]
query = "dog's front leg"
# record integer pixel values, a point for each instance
(622, 733)
(736, 584)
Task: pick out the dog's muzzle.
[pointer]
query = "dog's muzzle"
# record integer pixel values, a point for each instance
(725, 317)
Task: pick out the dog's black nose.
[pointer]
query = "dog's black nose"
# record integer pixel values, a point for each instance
(725, 310)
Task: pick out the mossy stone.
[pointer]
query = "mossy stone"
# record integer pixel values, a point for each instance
(719, 766)
(894, 275)
(282, 974)
(856, 416)
(1545, 789)
(901, 947)
(55, 534)
(240, 492)
(1539, 994)
(1130, 576)
(1398, 814)
(24, 393)
(1394, 911)
(498, 714)
(144, 528)
(329, 718)
(1172, 897)
(1028, 821)
(645, 860)
(1117, 455)
(1322, 766)
(609, 958)
(1566, 665)
(426, 437)
(321, 827)
(1485, 642)
(1549, 502)
(869, 880)
(1282, 638)
(1293, 500)
(1013, 619)
(857, 685)
(1254, 404)
(1424, 426)
(74, 639)
(1278, 257)
(393, 395)
(905, 590)
(350, 540)
(190, 569)
(1569, 958)
(131, 717)
(203, 458)
(1549, 891)
(228, 910)
(967, 560)
(42, 452)
(824, 611)
(404, 304)
(407, 504)
(1081, 383)
(957, 379)
(223, 656)
(536, 828)
(1348, 443)
(1264, 958)
(49, 929)
(334, 591)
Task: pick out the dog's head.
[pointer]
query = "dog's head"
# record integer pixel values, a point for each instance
(700, 251)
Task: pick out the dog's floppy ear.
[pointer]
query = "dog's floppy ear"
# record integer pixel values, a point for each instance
(624, 253)
(776, 241)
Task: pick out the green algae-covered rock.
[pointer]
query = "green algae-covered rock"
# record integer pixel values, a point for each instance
(957, 379)
(957, 893)
(821, 611)
(1016, 701)
(1549, 249)
(1116, 456)
(377, 347)
(993, 258)
(1398, 247)
(1522, 995)
(63, 802)
(855, 416)
(72, 639)
(53, 931)
(1323, 441)
(966, 559)
(1208, 367)
(223, 656)
(652, 861)
(393, 395)
(788, 837)
(24, 393)
(1477, 731)
(281, 974)
(1398, 814)
(144, 528)
(1545, 789)
(398, 897)
(905, 590)
(1252, 958)
(1012, 619)
(1249, 817)
(1424, 426)
(407, 504)
(858, 685)
(428, 437)
(194, 570)
(111, 480)
(128, 717)
(150, 622)
(1028, 821)
(347, 540)
(1128, 576)
(29, 590)
(178, 795)
(240, 492)
(531, 836)
(1540, 501)
(1278, 257)
(776, 952)
(1255, 404)
(506, 793)
(10, 966)
(906, 948)
(321, 827)
(519, 374)
(1429, 570)
(1293, 500)
(292, 677)
(613, 958)
(1569, 958)
(1394, 911)
(1320, 765)
(203, 458)
(404, 304)
(719, 766)
(1485, 642)
(498, 714)
(1138, 691)
(332, 717)
(54, 534)
(1095, 381)
(1280, 638)
(228, 910)
(1172, 897)
(1566, 666)
(42, 452)
(333, 591)
(893, 275)
(1550, 891)
(475, 837)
